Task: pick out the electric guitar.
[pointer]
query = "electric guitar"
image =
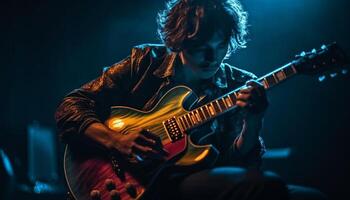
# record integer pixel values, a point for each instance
(95, 174)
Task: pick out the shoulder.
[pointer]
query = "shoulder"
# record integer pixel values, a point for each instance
(148, 50)
(237, 74)
(144, 54)
(140, 57)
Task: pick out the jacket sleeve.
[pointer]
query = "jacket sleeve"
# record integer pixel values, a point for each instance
(234, 127)
(91, 102)
(229, 154)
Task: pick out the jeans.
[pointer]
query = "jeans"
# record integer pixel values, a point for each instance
(233, 183)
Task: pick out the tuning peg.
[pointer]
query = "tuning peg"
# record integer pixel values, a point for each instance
(321, 78)
(302, 54)
(323, 47)
(313, 51)
(332, 75)
(344, 71)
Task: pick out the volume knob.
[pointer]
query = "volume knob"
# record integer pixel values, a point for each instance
(131, 189)
(110, 185)
(95, 195)
(115, 195)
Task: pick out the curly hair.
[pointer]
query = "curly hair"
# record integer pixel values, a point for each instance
(187, 23)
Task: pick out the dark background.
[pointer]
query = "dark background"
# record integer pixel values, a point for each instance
(52, 47)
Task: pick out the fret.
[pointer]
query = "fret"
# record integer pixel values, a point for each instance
(190, 118)
(181, 120)
(206, 112)
(187, 116)
(201, 113)
(183, 123)
(293, 68)
(222, 104)
(274, 77)
(228, 101)
(270, 80)
(288, 71)
(211, 110)
(196, 114)
(186, 119)
(221, 108)
(187, 123)
(280, 75)
(265, 83)
(193, 117)
(233, 97)
(216, 106)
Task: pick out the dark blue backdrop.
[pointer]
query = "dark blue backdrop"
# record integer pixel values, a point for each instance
(52, 47)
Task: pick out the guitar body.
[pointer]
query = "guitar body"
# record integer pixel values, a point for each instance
(89, 173)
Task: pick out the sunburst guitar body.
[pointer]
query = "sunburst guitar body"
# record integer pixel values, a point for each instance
(92, 174)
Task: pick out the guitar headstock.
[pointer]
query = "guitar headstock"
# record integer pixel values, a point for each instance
(328, 58)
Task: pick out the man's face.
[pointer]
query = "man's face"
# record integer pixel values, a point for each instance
(206, 58)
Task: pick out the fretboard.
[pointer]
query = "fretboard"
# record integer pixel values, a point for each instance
(227, 102)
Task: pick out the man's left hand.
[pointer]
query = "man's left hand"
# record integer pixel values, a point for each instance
(253, 98)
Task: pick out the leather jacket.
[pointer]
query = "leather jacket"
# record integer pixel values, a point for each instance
(139, 81)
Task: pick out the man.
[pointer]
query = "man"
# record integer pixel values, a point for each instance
(197, 35)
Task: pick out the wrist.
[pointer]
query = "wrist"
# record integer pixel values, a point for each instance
(101, 134)
(253, 121)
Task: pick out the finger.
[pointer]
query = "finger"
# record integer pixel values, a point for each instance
(137, 148)
(257, 87)
(127, 152)
(148, 152)
(241, 103)
(254, 83)
(243, 96)
(153, 136)
(164, 152)
(159, 145)
(150, 135)
(143, 140)
(246, 89)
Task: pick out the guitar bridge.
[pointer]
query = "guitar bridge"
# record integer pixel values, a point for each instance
(173, 129)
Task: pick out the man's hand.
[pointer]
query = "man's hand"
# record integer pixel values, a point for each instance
(138, 142)
(252, 98)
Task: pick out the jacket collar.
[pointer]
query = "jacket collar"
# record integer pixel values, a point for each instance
(166, 69)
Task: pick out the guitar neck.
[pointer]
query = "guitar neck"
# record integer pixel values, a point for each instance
(227, 102)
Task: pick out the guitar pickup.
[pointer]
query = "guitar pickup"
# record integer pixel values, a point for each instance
(173, 129)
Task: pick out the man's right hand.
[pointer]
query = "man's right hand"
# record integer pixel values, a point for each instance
(137, 142)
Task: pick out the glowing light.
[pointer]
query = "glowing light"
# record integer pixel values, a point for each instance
(117, 123)
(202, 155)
(278, 153)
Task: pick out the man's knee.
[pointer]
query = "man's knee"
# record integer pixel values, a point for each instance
(267, 185)
(300, 192)
(274, 183)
